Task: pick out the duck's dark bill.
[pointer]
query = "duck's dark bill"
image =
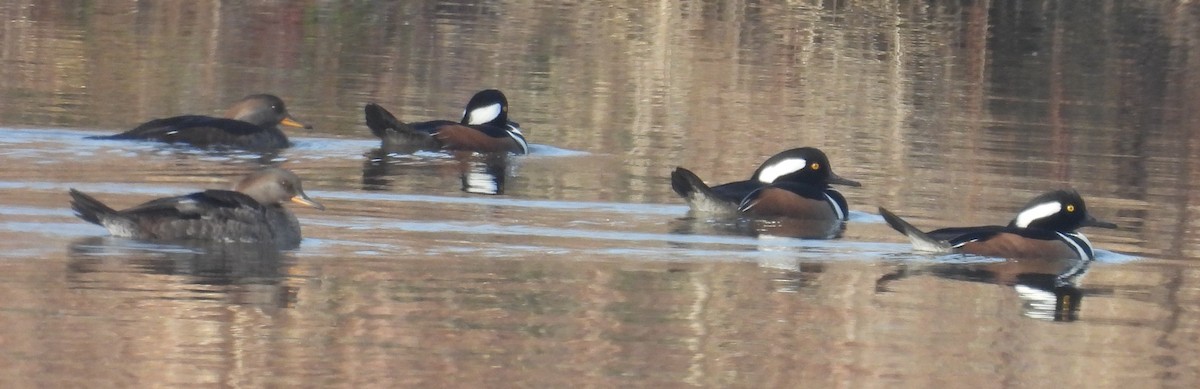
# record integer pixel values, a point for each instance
(1093, 222)
(836, 179)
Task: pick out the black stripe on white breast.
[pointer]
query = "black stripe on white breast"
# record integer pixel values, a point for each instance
(1079, 243)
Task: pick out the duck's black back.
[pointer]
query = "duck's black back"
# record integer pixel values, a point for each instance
(208, 131)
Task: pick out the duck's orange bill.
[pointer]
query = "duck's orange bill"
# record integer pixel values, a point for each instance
(300, 199)
(287, 121)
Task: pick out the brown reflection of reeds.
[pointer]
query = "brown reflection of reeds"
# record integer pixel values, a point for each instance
(464, 321)
(954, 113)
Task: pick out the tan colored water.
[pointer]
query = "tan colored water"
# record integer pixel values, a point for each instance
(585, 271)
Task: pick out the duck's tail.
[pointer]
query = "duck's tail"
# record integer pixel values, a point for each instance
(688, 185)
(381, 122)
(89, 209)
(920, 240)
(700, 197)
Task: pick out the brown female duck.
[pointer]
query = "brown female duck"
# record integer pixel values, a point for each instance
(250, 124)
(251, 213)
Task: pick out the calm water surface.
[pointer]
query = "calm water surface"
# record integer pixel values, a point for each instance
(583, 270)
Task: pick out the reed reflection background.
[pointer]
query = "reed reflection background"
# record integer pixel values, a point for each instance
(950, 112)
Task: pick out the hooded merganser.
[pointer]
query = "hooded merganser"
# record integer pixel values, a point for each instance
(1043, 229)
(250, 124)
(788, 184)
(252, 213)
(484, 128)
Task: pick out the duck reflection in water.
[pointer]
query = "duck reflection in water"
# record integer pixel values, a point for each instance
(252, 274)
(484, 173)
(480, 173)
(1049, 289)
(756, 227)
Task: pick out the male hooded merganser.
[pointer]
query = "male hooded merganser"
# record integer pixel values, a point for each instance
(1043, 229)
(484, 128)
(794, 183)
(250, 124)
(252, 213)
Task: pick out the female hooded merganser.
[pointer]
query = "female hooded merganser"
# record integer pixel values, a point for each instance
(251, 213)
(794, 183)
(1043, 229)
(250, 124)
(484, 128)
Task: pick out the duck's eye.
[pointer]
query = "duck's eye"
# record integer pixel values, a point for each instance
(815, 166)
(1070, 207)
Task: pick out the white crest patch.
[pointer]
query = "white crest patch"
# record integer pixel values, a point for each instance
(483, 114)
(781, 168)
(1037, 212)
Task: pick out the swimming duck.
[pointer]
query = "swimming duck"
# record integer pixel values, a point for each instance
(484, 128)
(251, 213)
(1043, 229)
(250, 124)
(792, 183)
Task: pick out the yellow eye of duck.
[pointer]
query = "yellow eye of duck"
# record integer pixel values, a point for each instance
(1070, 207)
(816, 166)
